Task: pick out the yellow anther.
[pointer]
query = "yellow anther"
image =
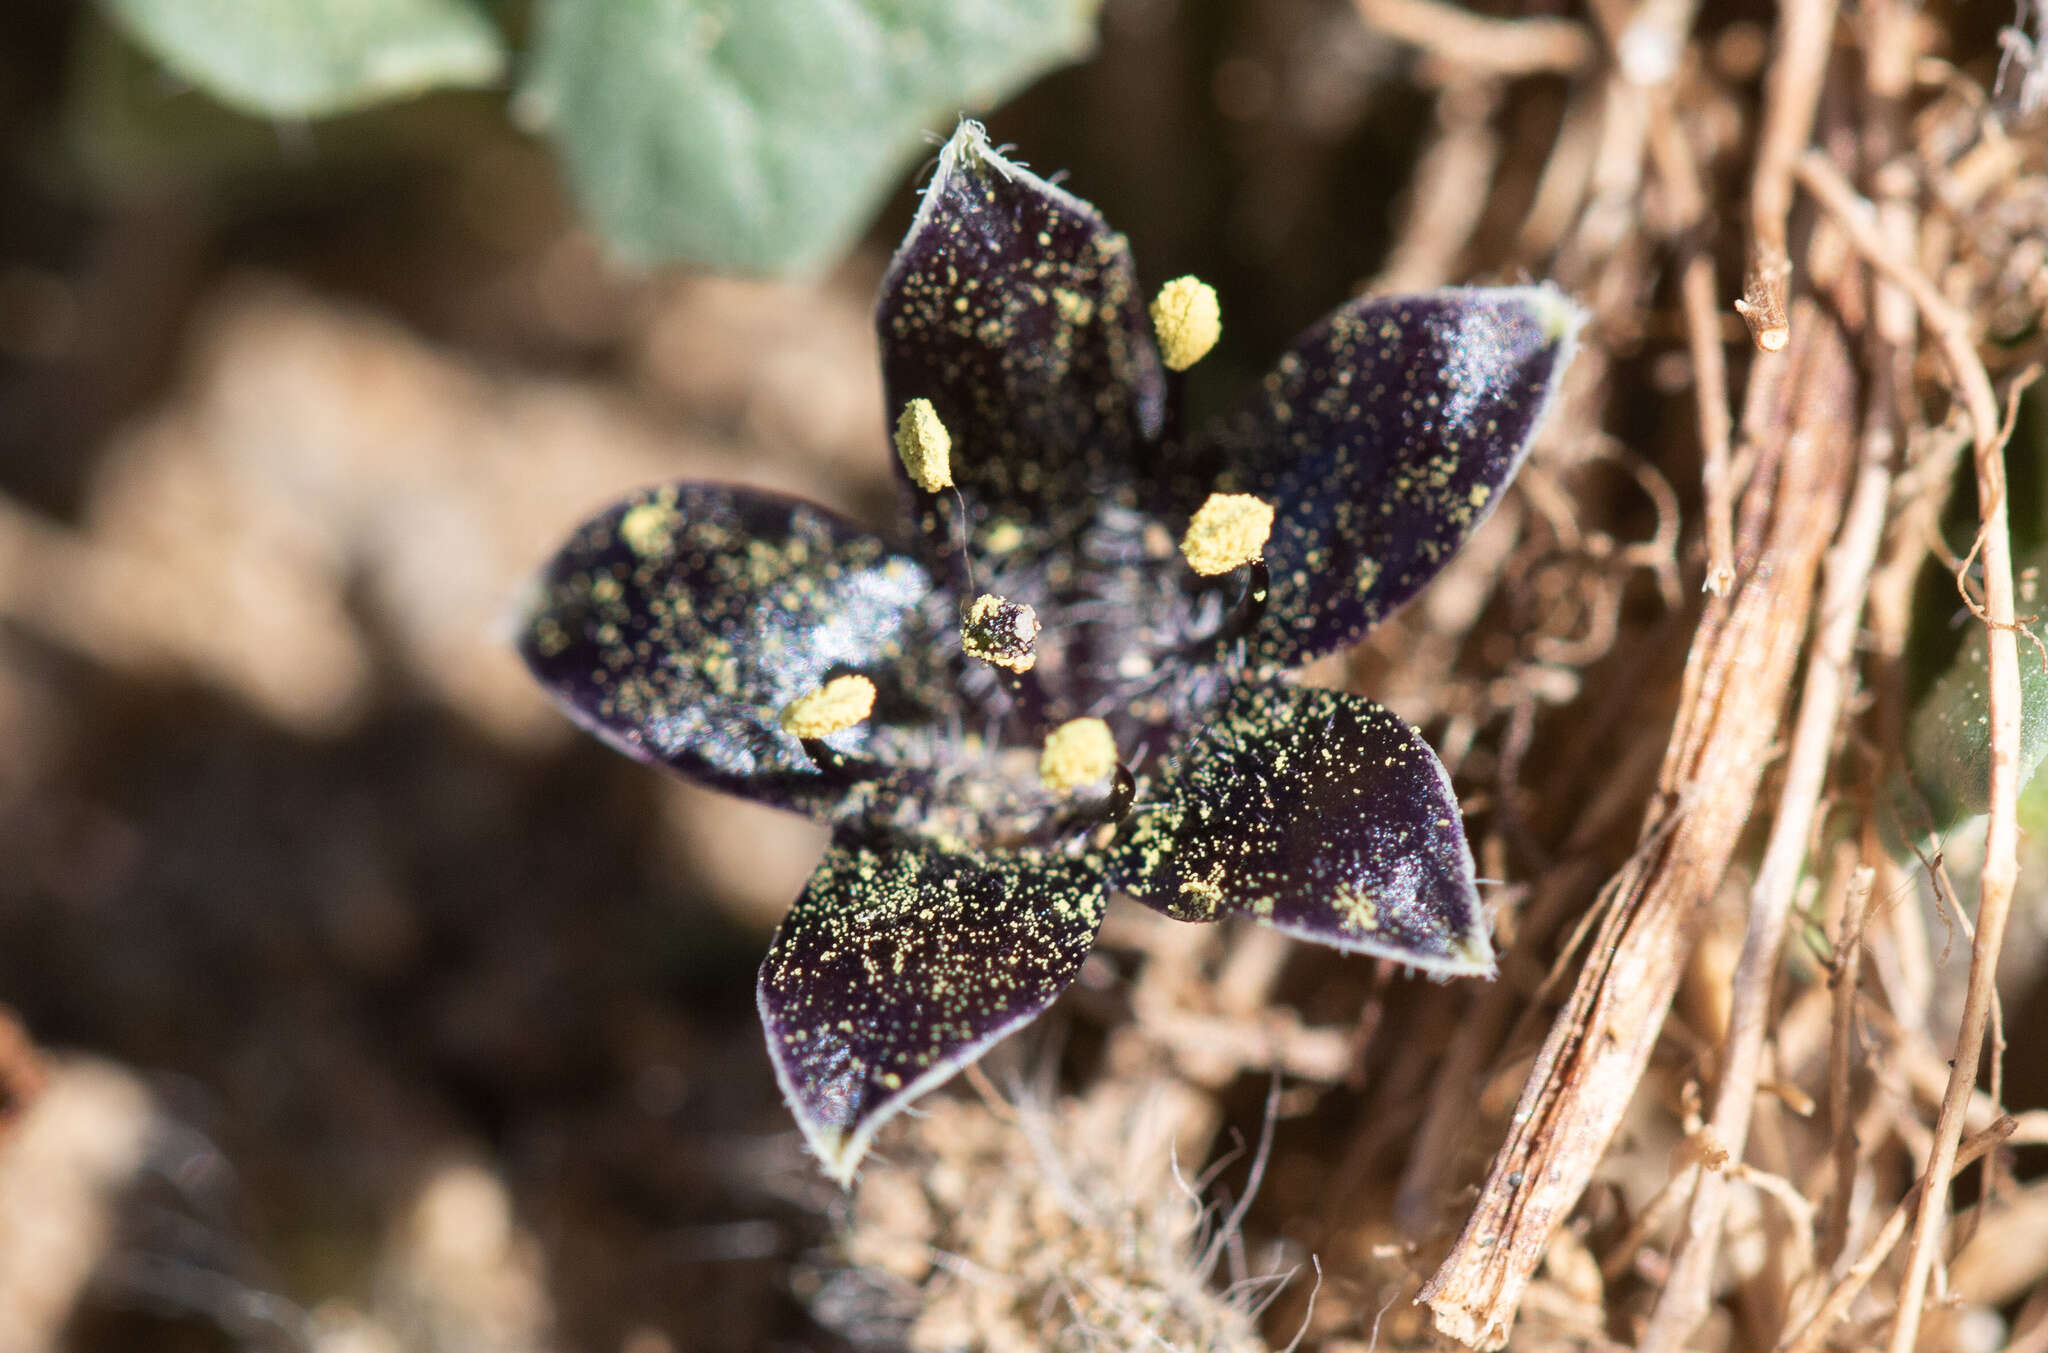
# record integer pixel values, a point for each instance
(925, 446)
(1229, 530)
(834, 707)
(1079, 753)
(1001, 632)
(1188, 319)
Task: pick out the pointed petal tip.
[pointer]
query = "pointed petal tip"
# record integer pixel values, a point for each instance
(1471, 956)
(841, 1147)
(970, 137)
(967, 146)
(1559, 316)
(838, 1146)
(839, 1156)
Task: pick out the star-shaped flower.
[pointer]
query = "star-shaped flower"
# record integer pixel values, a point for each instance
(1066, 682)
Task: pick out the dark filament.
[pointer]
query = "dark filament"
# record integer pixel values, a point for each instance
(1244, 617)
(839, 768)
(1112, 809)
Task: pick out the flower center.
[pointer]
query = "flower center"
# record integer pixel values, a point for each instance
(1085, 657)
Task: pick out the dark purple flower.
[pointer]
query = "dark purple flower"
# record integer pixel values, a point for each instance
(1038, 700)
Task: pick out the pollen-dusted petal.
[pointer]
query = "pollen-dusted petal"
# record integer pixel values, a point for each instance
(1077, 754)
(900, 964)
(1228, 531)
(1318, 813)
(1015, 310)
(1001, 632)
(1187, 319)
(924, 446)
(681, 623)
(1383, 439)
(834, 707)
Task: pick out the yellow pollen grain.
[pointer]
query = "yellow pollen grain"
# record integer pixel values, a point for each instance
(1188, 319)
(1079, 753)
(925, 446)
(834, 707)
(649, 529)
(1228, 531)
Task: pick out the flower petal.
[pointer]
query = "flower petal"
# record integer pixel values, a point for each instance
(677, 624)
(1384, 438)
(1014, 308)
(1318, 813)
(901, 964)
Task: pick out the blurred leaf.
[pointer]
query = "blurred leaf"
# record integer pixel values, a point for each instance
(759, 135)
(311, 58)
(1948, 744)
(131, 131)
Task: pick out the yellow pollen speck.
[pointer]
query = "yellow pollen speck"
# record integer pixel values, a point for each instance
(1079, 753)
(1188, 319)
(837, 705)
(1480, 493)
(925, 446)
(649, 529)
(1228, 530)
(1002, 537)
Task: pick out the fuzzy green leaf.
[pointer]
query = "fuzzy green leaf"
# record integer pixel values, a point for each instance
(1948, 745)
(312, 58)
(758, 135)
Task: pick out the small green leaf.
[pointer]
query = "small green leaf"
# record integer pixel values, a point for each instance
(1948, 744)
(312, 58)
(758, 135)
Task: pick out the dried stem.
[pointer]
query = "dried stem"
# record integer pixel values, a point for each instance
(1732, 697)
(1847, 972)
(1814, 1332)
(1680, 175)
(1805, 32)
(1829, 681)
(1450, 189)
(1951, 331)
(1497, 46)
(22, 1073)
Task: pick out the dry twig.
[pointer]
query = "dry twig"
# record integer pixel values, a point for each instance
(1835, 1305)
(1733, 693)
(1847, 973)
(1805, 32)
(1531, 46)
(1829, 681)
(22, 1075)
(1680, 175)
(2001, 860)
